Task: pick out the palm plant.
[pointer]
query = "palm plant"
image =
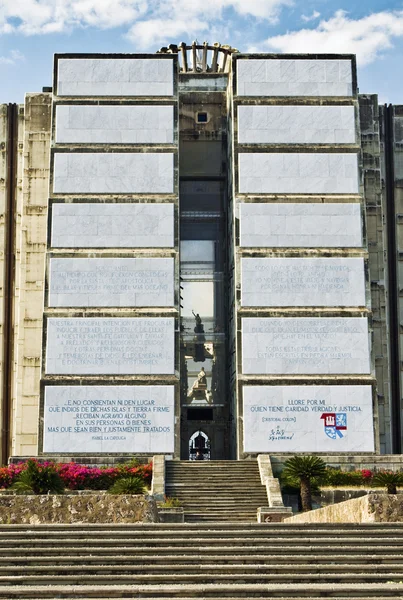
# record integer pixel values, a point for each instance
(38, 479)
(127, 485)
(388, 479)
(305, 468)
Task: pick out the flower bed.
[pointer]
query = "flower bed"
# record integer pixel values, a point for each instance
(80, 477)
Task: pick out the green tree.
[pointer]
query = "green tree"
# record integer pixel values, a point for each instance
(305, 468)
(388, 479)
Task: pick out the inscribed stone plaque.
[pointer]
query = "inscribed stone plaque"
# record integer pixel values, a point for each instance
(112, 225)
(298, 173)
(109, 419)
(303, 282)
(294, 77)
(114, 77)
(111, 282)
(305, 346)
(302, 225)
(113, 173)
(296, 125)
(110, 346)
(114, 124)
(308, 418)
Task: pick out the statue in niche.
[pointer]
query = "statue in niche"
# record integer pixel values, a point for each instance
(199, 339)
(202, 379)
(198, 391)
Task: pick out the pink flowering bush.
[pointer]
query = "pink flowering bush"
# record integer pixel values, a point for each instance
(80, 477)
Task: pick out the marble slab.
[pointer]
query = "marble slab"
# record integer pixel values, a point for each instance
(114, 124)
(305, 346)
(308, 418)
(110, 346)
(109, 419)
(115, 77)
(294, 77)
(296, 125)
(302, 225)
(302, 282)
(113, 173)
(298, 173)
(120, 225)
(111, 282)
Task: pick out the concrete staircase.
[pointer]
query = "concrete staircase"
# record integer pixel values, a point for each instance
(188, 561)
(216, 490)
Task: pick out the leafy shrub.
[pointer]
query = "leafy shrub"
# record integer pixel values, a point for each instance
(388, 479)
(129, 484)
(79, 477)
(337, 477)
(38, 478)
(170, 502)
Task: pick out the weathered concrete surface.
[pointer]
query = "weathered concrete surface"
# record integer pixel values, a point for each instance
(374, 508)
(69, 509)
(274, 496)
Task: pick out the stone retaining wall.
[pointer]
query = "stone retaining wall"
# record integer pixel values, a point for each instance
(374, 508)
(69, 509)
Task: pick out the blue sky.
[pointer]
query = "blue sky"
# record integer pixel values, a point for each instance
(32, 30)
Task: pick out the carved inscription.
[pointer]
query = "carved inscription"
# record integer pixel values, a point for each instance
(308, 418)
(111, 282)
(303, 282)
(109, 419)
(305, 346)
(110, 346)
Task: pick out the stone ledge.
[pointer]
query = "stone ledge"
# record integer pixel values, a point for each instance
(70, 509)
(373, 508)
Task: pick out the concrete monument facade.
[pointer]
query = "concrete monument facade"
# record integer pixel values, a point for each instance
(193, 238)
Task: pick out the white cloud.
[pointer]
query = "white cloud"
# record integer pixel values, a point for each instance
(315, 15)
(13, 57)
(161, 31)
(149, 22)
(47, 16)
(366, 37)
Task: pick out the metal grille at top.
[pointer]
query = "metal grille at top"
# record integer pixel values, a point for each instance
(201, 58)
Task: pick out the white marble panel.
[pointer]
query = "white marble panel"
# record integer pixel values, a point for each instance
(303, 282)
(110, 346)
(113, 173)
(305, 346)
(107, 418)
(296, 125)
(114, 124)
(298, 173)
(308, 418)
(120, 225)
(111, 282)
(114, 77)
(304, 225)
(294, 77)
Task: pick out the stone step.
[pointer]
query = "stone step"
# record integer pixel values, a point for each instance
(282, 530)
(209, 569)
(359, 560)
(70, 593)
(219, 592)
(284, 591)
(177, 550)
(291, 528)
(212, 545)
(149, 579)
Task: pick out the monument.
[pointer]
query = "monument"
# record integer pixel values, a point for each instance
(206, 259)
